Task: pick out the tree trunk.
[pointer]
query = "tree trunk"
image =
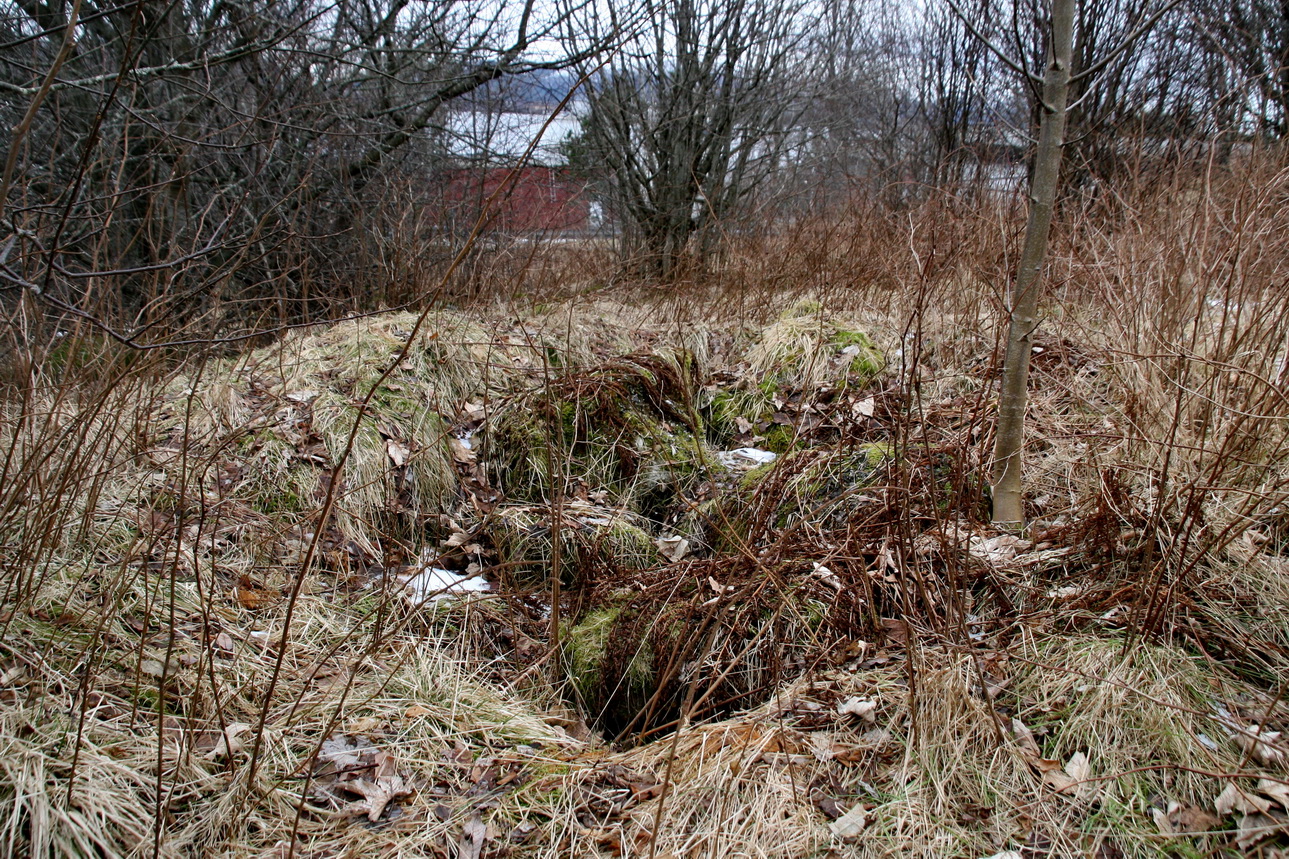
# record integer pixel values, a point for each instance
(1009, 440)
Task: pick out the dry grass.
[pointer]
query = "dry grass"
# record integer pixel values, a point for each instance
(188, 650)
(938, 769)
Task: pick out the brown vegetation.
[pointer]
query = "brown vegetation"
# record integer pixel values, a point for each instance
(208, 646)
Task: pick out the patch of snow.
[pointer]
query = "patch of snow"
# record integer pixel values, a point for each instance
(745, 456)
(434, 583)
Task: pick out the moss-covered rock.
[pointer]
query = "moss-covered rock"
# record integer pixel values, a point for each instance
(821, 486)
(866, 360)
(826, 486)
(808, 353)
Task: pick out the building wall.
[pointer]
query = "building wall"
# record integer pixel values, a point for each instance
(528, 199)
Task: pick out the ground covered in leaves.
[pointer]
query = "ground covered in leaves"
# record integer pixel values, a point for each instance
(589, 582)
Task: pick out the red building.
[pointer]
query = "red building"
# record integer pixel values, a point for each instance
(518, 200)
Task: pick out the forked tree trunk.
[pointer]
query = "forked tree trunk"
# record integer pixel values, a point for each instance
(1009, 439)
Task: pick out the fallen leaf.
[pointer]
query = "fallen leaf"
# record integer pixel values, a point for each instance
(342, 751)
(224, 642)
(376, 794)
(827, 576)
(821, 746)
(417, 710)
(250, 598)
(398, 452)
(850, 824)
(1259, 743)
(229, 742)
(473, 833)
(1277, 790)
(864, 408)
(364, 724)
(455, 539)
(1053, 776)
(1233, 799)
(673, 548)
(462, 452)
(1255, 828)
(522, 830)
(1181, 819)
(1079, 768)
(829, 806)
(860, 708)
(1025, 739)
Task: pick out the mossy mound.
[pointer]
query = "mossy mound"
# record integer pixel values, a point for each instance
(625, 430)
(804, 356)
(281, 418)
(824, 486)
(810, 351)
(586, 648)
(730, 629)
(592, 539)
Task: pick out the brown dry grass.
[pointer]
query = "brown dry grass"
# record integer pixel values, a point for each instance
(155, 523)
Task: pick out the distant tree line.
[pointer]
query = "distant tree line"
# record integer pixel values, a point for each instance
(715, 117)
(264, 160)
(230, 156)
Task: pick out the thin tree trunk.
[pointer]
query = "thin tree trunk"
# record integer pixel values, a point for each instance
(1009, 440)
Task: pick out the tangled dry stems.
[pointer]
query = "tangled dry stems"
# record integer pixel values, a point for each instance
(155, 529)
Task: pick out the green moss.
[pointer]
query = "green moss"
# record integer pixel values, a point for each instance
(803, 308)
(779, 438)
(875, 453)
(618, 431)
(821, 485)
(586, 647)
(868, 362)
(724, 408)
(609, 658)
(630, 544)
(753, 478)
(845, 338)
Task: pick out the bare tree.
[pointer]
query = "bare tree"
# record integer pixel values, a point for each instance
(1061, 78)
(689, 117)
(1023, 316)
(865, 129)
(962, 98)
(182, 159)
(1249, 39)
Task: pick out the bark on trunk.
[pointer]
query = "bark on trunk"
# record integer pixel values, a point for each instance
(1009, 439)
